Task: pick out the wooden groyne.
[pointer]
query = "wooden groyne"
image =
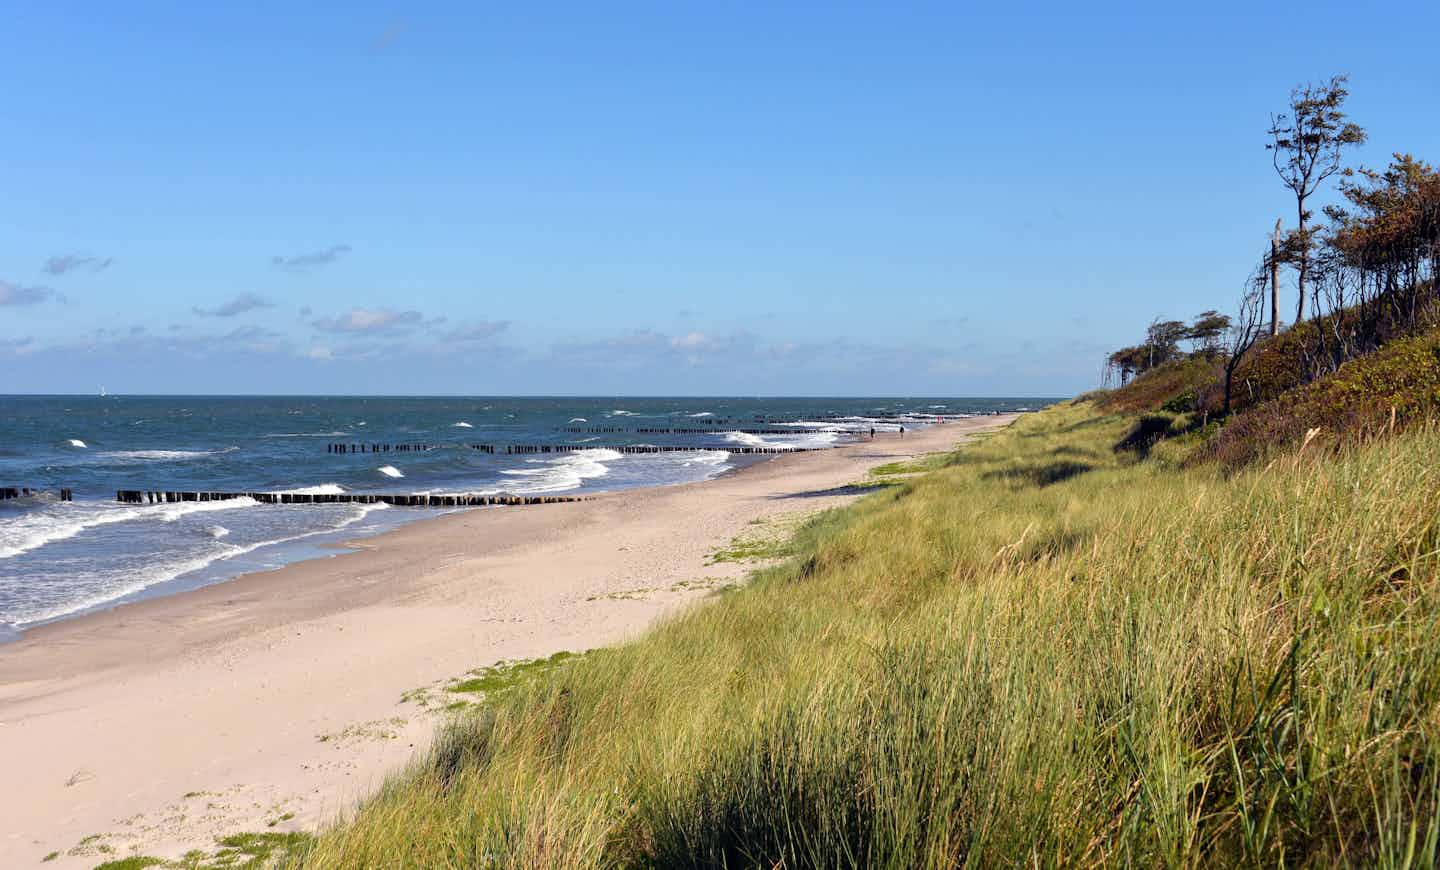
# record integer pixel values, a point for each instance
(526, 449)
(639, 448)
(145, 496)
(9, 492)
(378, 448)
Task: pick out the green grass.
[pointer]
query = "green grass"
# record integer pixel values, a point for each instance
(767, 539)
(247, 851)
(134, 862)
(1045, 651)
(497, 680)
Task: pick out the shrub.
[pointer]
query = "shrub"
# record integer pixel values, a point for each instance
(1400, 383)
(1163, 385)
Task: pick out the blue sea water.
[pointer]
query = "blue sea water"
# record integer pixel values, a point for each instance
(58, 559)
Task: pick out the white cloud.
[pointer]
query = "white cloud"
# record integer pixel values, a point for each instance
(370, 321)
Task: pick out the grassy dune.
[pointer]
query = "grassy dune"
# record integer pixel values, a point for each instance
(1042, 651)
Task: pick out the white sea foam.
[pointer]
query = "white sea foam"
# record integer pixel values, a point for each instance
(390, 471)
(304, 434)
(35, 529)
(578, 420)
(618, 413)
(218, 531)
(564, 472)
(462, 425)
(703, 414)
(76, 442)
(169, 571)
(319, 489)
(161, 455)
(809, 439)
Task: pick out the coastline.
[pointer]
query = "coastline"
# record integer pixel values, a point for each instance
(139, 723)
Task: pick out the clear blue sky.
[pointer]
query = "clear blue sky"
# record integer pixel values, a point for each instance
(675, 197)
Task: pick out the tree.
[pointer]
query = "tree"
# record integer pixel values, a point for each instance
(1205, 331)
(1162, 338)
(1244, 329)
(1129, 361)
(1306, 149)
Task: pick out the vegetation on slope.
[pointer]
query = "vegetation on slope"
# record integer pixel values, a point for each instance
(1397, 385)
(1045, 651)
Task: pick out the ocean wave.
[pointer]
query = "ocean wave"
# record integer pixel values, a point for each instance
(179, 567)
(578, 420)
(703, 414)
(808, 439)
(76, 442)
(849, 425)
(390, 471)
(304, 434)
(461, 425)
(33, 530)
(162, 455)
(565, 472)
(217, 531)
(318, 489)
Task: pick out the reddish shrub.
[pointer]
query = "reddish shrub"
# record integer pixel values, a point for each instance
(1399, 381)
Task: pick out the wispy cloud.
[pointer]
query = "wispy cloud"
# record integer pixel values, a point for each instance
(476, 331)
(15, 294)
(311, 259)
(239, 305)
(62, 263)
(193, 344)
(370, 321)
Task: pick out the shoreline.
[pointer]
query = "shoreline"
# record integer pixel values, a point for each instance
(320, 544)
(272, 701)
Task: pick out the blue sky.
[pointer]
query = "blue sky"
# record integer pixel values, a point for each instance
(718, 198)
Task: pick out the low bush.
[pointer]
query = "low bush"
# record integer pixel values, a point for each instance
(1397, 385)
(1167, 384)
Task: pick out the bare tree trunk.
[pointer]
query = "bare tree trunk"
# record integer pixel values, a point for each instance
(1274, 283)
(1304, 264)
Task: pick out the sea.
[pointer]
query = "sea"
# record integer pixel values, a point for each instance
(63, 558)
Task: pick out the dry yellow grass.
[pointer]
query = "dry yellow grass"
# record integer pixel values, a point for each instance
(1043, 652)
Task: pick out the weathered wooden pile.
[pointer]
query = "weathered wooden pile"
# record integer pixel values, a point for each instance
(139, 496)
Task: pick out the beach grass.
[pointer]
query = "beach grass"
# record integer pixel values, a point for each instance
(1043, 650)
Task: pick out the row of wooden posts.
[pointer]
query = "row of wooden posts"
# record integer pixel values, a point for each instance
(642, 448)
(513, 449)
(8, 492)
(139, 496)
(378, 448)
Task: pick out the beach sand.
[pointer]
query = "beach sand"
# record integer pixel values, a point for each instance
(273, 702)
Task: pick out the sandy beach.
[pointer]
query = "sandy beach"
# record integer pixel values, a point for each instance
(273, 702)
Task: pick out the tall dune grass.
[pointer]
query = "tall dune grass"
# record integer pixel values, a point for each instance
(1043, 652)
